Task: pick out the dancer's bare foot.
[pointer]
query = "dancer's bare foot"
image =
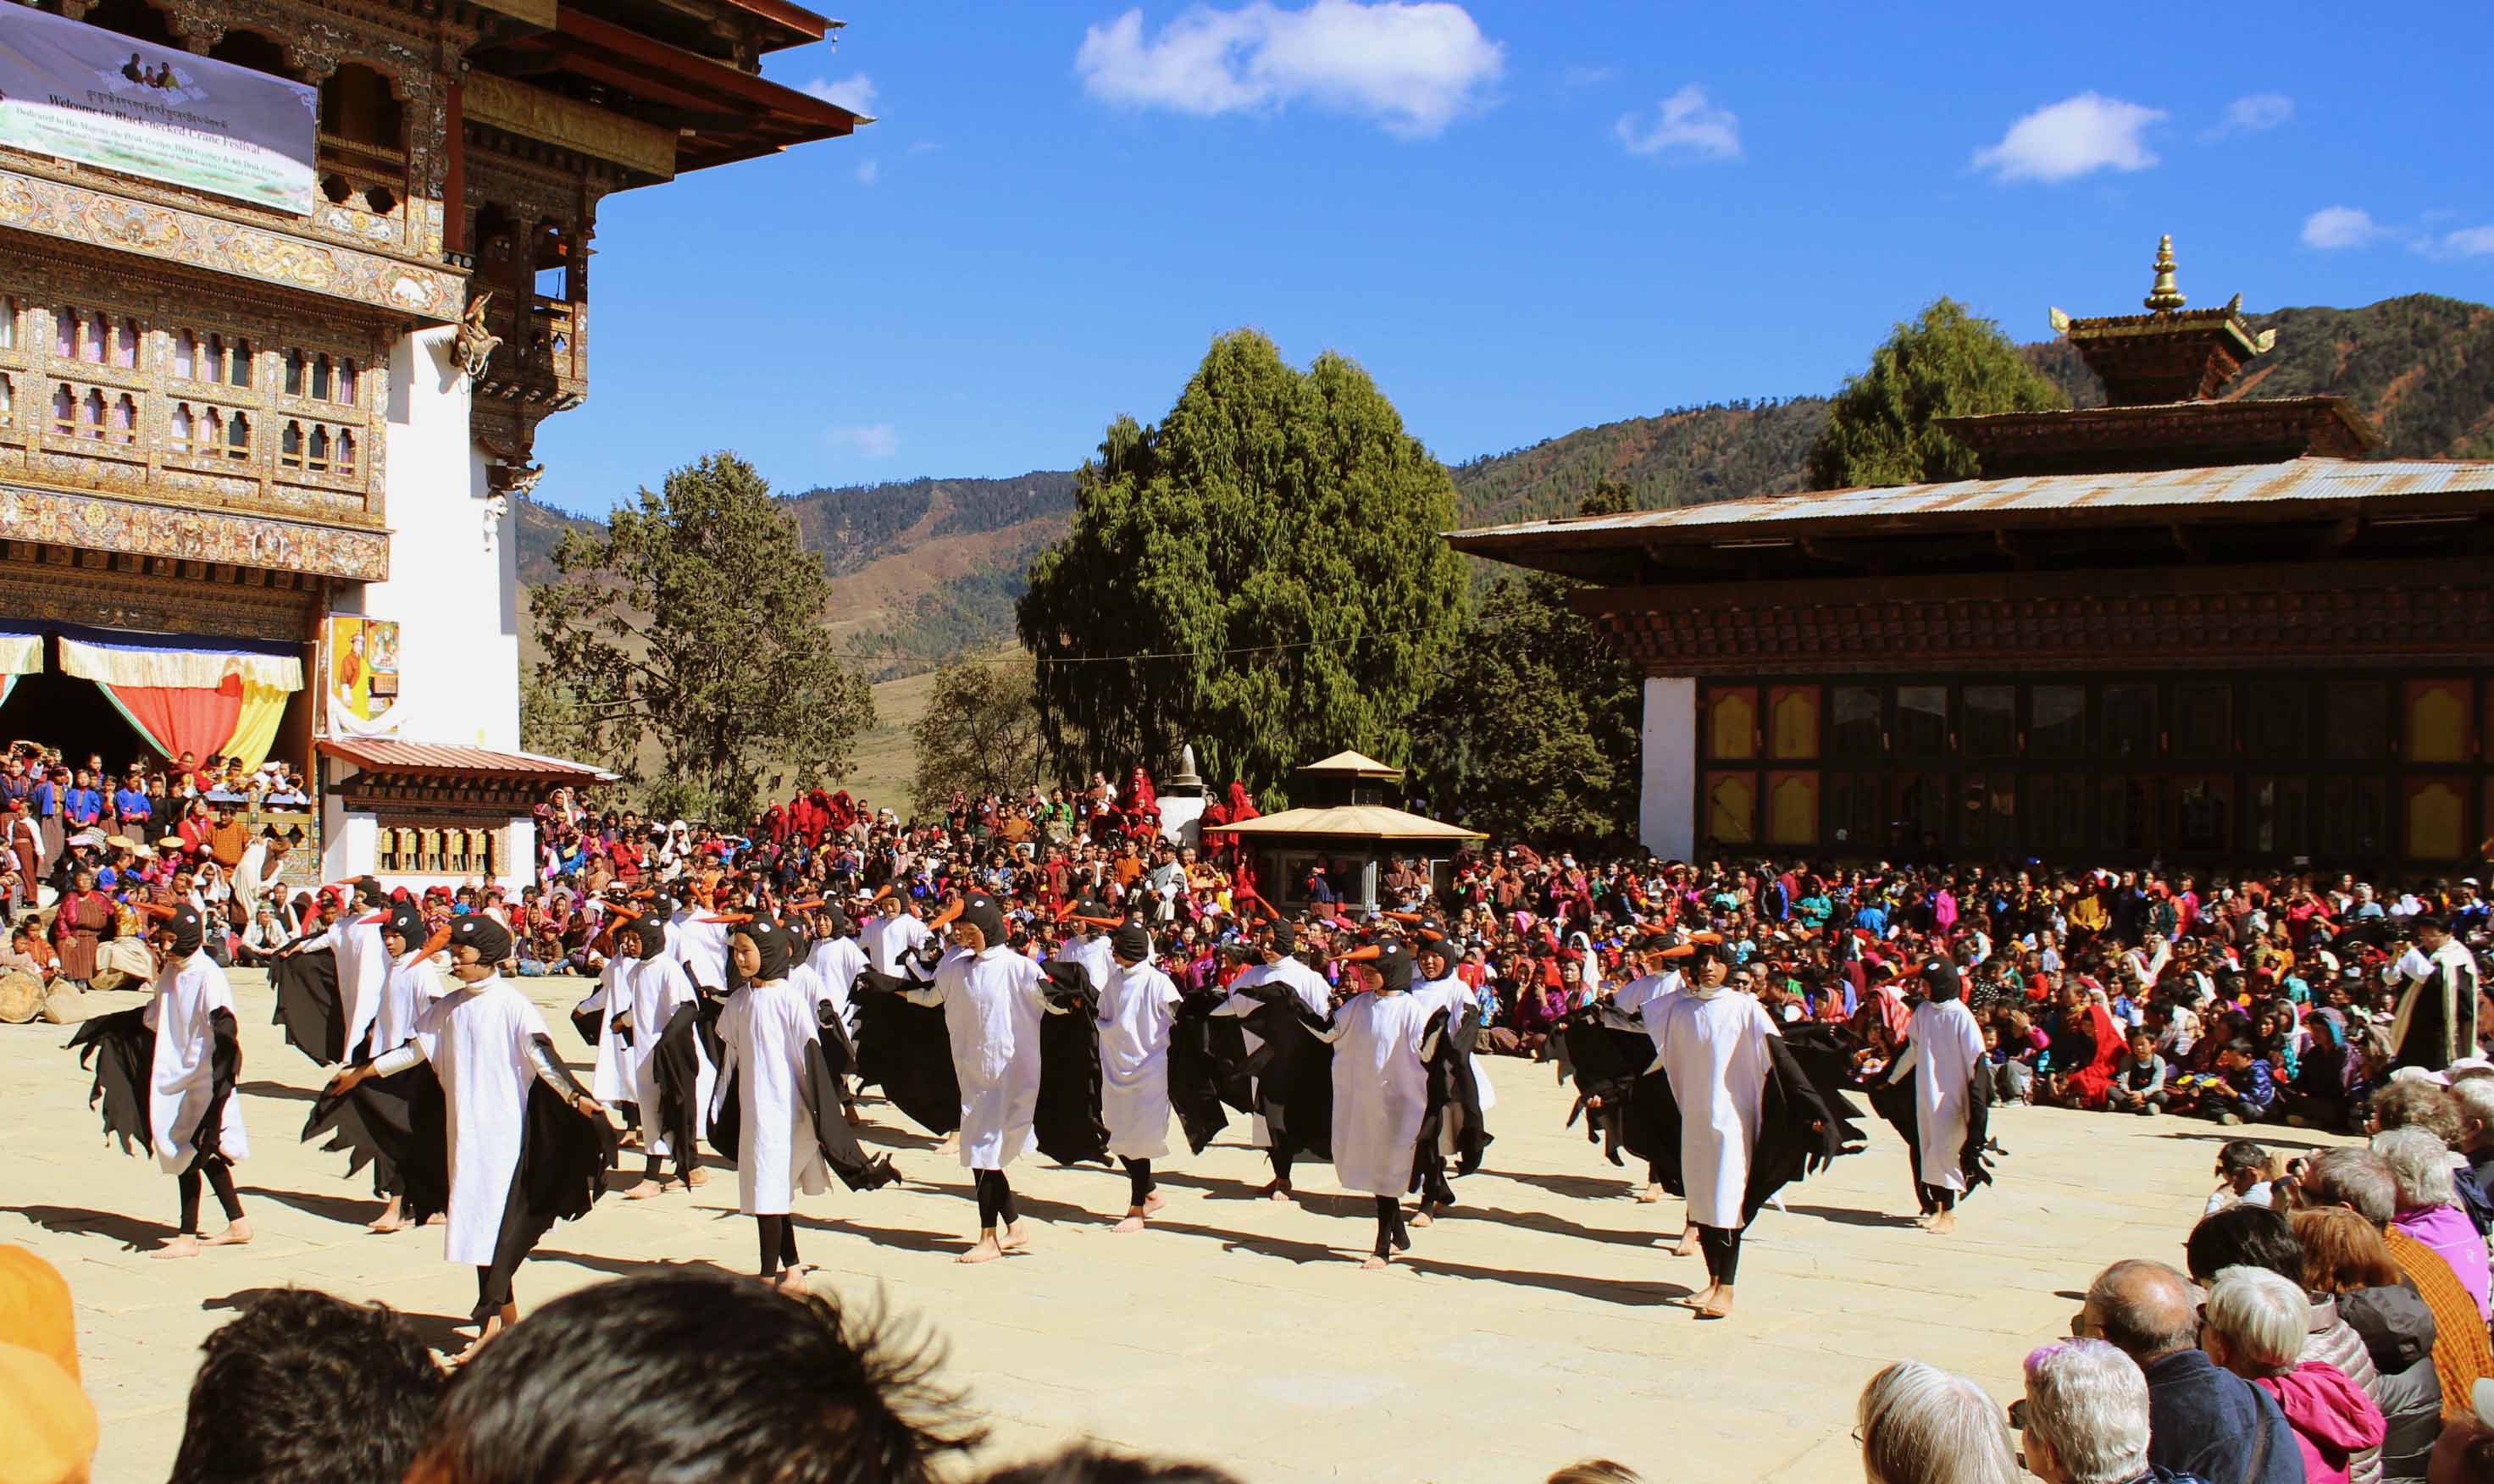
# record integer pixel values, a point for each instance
(1688, 1246)
(180, 1245)
(392, 1218)
(698, 1178)
(1718, 1305)
(1152, 1203)
(1134, 1221)
(236, 1233)
(1016, 1238)
(1276, 1190)
(646, 1188)
(1650, 1195)
(1422, 1218)
(985, 1250)
(1373, 1263)
(796, 1280)
(438, 1218)
(492, 1326)
(1943, 1224)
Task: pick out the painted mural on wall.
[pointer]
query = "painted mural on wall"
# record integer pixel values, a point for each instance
(79, 92)
(363, 676)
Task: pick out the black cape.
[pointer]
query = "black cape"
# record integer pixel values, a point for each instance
(122, 1050)
(829, 1060)
(1198, 1084)
(1455, 1096)
(400, 1126)
(905, 1050)
(1291, 1073)
(1607, 1054)
(308, 1007)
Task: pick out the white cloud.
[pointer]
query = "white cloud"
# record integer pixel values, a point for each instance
(867, 172)
(2339, 227)
(2467, 242)
(854, 92)
(1684, 123)
(2251, 114)
(873, 441)
(2073, 137)
(1413, 67)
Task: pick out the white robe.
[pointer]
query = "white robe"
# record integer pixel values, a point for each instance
(1137, 1007)
(1942, 1047)
(767, 1028)
(888, 940)
(1312, 992)
(701, 947)
(362, 964)
(655, 991)
(1647, 997)
(1092, 952)
(992, 1002)
(837, 962)
(1457, 999)
(476, 1037)
(183, 1074)
(1715, 1051)
(611, 1081)
(1381, 1091)
(410, 983)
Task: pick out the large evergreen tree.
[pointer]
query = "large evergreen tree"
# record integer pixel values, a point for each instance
(694, 623)
(1947, 363)
(1533, 730)
(1260, 573)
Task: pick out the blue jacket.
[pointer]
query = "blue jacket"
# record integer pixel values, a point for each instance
(2205, 1421)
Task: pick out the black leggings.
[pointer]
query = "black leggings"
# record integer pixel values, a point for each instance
(1280, 1155)
(683, 1161)
(1721, 1246)
(1139, 1180)
(1389, 1226)
(995, 1199)
(1434, 1189)
(778, 1244)
(1939, 1197)
(221, 1178)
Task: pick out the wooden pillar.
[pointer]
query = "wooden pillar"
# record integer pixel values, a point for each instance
(454, 180)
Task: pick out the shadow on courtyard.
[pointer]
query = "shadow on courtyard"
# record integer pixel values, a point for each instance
(130, 1231)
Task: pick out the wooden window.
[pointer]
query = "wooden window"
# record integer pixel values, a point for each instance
(238, 363)
(1991, 721)
(2347, 817)
(346, 453)
(2057, 720)
(91, 415)
(1987, 812)
(1858, 727)
(2204, 812)
(2130, 722)
(346, 389)
(10, 307)
(2274, 817)
(2438, 723)
(1731, 808)
(293, 381)
(315, 451)
(185, 355)
(238, 437)
(1732, 722)
(124, 424)
(1918, 804)
(1792, 722)
(2436, 819)
(2277, 720)
(2203, 719)
(1922, 720)
(2126, 814)
(8, 398)
(125, 344)
(289, 446)
(179, 425)
(1792, 809)
(1853, 811)
(2056, 812)
(64, 409)
(321, 378)
(2355, 722)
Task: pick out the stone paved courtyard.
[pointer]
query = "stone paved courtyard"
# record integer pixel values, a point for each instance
(1529, 1329)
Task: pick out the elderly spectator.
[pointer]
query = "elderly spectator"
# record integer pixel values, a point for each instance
(2344, 1259)
(2475, 1097)
(2203, 1420)
(2359, 1180)
(2085, 1418)
(2256, 1236)
(2255, 1326)
(2429, 1206)
(1920, 1425)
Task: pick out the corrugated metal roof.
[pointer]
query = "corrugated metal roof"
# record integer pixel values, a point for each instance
(383, 754)
(1366, 821)
(2250, 487)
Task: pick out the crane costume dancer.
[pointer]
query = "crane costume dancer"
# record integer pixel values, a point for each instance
(1460, 1092)
(1646, 997)
(1383, 1040)
(328, 1015)
(525, 1143)
(1944, 1056)
(1281, 968)
(667, 1064)
(782, 1081)
(1138, 1008)
(166, 1073)
(992, 1004)
(410, 983)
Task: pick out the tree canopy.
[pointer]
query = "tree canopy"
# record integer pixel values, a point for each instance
(1533, 728)
(1260, 573)
(693, 623)
(979, 735)
(1947, 363)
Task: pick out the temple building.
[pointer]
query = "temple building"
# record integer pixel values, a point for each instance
(2182, 627)
(285, 288)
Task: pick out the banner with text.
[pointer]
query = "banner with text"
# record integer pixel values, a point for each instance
(79, 92)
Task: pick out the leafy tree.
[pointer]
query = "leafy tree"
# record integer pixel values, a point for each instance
(693, 621)
(979, 735)
(1946, 363)
(1260, 573)
(1533, 728)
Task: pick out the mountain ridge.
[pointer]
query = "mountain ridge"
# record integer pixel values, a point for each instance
(928, 568)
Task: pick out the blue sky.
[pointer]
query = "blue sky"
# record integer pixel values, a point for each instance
(1522, 219)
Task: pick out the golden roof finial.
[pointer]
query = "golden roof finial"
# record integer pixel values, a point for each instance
(2163, 298)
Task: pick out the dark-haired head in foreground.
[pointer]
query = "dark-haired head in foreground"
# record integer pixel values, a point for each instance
(693, 1375)
(1092, 1466)
(302, 1388)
